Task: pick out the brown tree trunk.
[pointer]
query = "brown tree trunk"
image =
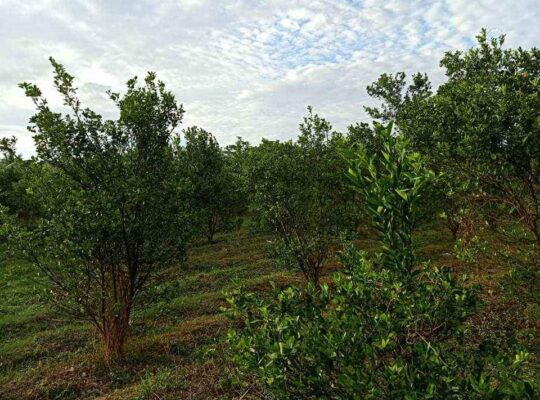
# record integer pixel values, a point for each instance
(114, 336)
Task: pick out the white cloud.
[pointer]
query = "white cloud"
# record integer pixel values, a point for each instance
(241, 67)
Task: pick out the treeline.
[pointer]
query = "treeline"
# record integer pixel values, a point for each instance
(107, 204)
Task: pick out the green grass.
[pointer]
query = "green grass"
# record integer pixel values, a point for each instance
(171, 353)
(47, 356)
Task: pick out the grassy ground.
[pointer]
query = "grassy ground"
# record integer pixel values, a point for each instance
(172, 352)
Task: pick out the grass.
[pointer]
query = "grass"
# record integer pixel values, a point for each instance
(171, 353)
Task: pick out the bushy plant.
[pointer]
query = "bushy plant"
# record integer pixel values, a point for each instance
(214, 195)
(113, 206)
(299, 193)
(385, 328)
(13, 172)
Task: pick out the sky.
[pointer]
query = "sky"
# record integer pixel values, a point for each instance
(241, 68)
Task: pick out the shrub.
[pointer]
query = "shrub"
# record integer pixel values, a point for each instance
(113, 206)
(299, 194)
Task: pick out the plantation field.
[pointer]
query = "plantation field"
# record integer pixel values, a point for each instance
(174, 347)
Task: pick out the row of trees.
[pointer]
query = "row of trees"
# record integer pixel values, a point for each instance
(107, 204)
(388, 326)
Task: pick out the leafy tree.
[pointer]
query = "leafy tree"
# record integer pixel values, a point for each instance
(386, 328)
(13, 171)
(213, 184)
(115, 207)
(300, 194)
(487, 120)
(8, 172)
(397, 98)
(7, 147)
(392, 190)
(237, 158)
(480, 128)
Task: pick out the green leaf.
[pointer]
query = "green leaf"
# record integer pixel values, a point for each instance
(402, 193)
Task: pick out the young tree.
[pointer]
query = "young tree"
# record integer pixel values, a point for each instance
(214, 189)
(391, 181)
(115, 208)
(300, 194)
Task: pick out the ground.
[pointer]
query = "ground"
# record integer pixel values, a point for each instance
(173, 351)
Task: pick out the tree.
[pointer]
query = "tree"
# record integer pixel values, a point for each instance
(214, 188)
(115, 207)
(487, 121)
(300, 194)
(397, 98)
(8, 173)
(391, 181)
(13, 171)
(237, 165)
(481, 129)
(7, 147)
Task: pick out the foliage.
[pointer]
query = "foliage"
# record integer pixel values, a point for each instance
(392, 191)
(109, 205)
(13, 171)
(114, 208)
(487, 119)
(214, 195)
(300, 194)
(237, 165)
(480, 128)
(7, 147)
(387, 328)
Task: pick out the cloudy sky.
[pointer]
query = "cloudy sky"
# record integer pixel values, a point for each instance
(241, 67)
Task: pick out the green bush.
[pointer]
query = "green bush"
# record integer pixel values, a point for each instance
(300, 194)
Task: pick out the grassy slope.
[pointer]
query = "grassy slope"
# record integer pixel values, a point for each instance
(170, 353)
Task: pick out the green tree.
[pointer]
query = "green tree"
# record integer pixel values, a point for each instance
(237, 165)
(489, 126)
(13, 170)
(115, 208)
(213, 185)
(300, 194)
(7, 147)
(392, 190)
(9, 173)
(480, 129)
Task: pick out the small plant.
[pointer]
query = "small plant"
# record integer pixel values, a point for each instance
(157, 386)
(469, 250)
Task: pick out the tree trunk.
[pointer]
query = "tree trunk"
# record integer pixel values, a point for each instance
(212, 225)
(114, 336)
